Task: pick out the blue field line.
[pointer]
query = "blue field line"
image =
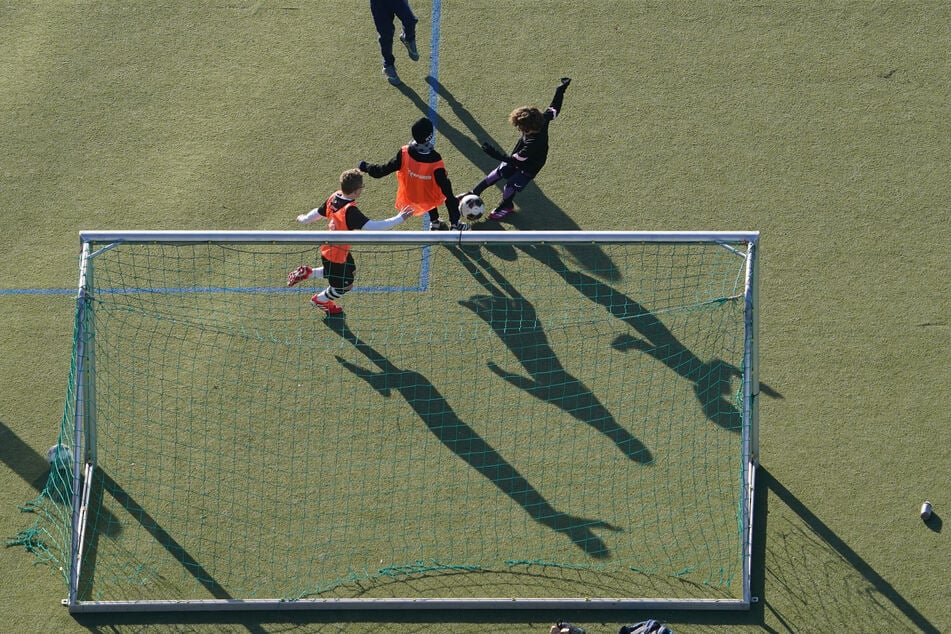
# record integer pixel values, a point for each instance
(423, 286)
(38, 291)
(253, 290)
(424, 265)
(210, 289)
(434, 59)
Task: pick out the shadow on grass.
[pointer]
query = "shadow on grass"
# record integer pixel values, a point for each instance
(52, 487)
(515, 323)
(160, 535)
(870, 603)
(109, 622)
(710, 378)
(463, 441)
(426, 620)
(22, 460)
(934, 522)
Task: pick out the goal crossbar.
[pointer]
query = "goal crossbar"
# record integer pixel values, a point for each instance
(421, 237)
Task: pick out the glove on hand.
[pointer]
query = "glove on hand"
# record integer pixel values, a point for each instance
(565, 81)
(362, 166)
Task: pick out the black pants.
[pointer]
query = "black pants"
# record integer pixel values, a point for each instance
(384, 11)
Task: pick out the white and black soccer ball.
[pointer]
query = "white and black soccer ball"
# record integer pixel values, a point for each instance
(471, 207)
(60, 457)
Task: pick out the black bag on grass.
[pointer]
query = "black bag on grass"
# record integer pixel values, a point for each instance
(646, 627)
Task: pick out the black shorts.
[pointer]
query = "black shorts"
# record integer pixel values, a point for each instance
(339, 274)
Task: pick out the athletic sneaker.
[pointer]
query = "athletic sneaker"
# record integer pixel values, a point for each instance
(500, 212)
(410, 47)
(438, 225)
(460, 226)
(390, 73)
(299, 274)
(328, 307)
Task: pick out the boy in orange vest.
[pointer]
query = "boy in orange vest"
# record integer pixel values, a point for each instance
(423, 183)
(342, 214)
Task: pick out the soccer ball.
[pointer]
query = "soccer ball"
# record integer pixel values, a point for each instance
(471, 207)
(60, 457)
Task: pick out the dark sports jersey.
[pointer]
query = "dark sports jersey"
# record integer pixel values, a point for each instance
(531, 151)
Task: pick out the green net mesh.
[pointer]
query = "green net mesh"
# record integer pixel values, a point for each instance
(495, 420)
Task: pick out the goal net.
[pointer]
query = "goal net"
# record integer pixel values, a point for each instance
(515, 419)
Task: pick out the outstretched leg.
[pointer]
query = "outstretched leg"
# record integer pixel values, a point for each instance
(504, 170)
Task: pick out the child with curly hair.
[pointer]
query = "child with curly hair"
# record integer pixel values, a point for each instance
(530, 153)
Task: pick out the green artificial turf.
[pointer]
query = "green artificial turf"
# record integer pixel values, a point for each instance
(822, 125)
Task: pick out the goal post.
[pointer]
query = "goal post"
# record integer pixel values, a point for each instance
(497, 420)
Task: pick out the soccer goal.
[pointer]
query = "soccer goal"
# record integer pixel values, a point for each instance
(497, 420)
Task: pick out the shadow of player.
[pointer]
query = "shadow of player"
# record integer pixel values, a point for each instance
(463, 441)
(515, 322)
(711, 379)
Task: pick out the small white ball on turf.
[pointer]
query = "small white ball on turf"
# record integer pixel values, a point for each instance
(471, 207)
(60, 457)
